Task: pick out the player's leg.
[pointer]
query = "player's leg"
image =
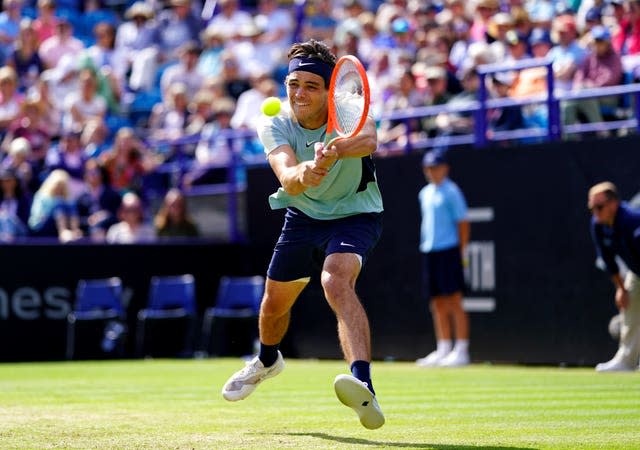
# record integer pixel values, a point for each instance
(355, 391)
(274, 316)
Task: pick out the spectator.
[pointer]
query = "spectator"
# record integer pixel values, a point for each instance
(246, 115)
(601, 67)
(436, 78)
(483, 11)
(614, 231)
(10, 98)
(30, 124)
(184, 71)
(626, 41)
(508, 117)
(136, 44)
(108, 63)
(177, 25)
(127, 162)
(98, 203)
(69, 154)
(132, 227)
(86, 110)
(169, 119)
(60, 82)
(46, 20)
(53, 212)
(592, 19)
(18, 160)
(229, 19)
(567, 54)
(278, 27)
(60, 44)
(15, 205)
(9, 27)
(444, 235)
(173, 219)
(319, 22)
(201, 112)
(210, 60)
(234, 82)
(457, 123)
(24, 57)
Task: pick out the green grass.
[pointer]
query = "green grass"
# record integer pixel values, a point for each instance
(177, 404)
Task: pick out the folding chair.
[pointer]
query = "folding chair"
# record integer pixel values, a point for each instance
(96, 328)
(166, 326)
(230, 327)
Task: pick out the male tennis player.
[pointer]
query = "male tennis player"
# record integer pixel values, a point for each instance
(333, 219)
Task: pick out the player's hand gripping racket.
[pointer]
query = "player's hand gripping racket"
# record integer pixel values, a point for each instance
(349, 97)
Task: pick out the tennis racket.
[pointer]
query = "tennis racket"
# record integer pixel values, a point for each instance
(349, 97)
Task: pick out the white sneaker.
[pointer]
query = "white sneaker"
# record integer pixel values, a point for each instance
(245, 381)
(614, 365)
(356, 395)
(431, 360)
(456, 358)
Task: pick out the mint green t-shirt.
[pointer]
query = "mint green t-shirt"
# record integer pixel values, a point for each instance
(350, 187)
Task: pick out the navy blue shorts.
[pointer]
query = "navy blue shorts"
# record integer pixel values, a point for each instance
(305, 242)
(442, 272)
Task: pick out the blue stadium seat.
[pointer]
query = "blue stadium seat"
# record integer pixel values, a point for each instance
(96, 327)
(170, 313)
(230, 326)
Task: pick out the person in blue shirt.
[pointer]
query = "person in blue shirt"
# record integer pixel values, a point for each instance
(615, 231)
(444, 234)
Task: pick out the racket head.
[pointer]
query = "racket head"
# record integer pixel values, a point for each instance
(349, 99)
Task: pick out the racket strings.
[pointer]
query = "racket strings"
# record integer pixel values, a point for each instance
(348, 99)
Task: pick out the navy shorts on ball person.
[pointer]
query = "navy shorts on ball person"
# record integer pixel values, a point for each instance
(305, 242)
(442, 272)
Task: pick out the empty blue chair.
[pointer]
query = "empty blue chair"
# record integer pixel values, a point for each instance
(230, 326)
(170, 313)
(96, 328)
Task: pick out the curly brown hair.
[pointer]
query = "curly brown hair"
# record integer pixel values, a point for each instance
(312, 49)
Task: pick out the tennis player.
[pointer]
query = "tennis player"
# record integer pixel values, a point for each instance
(333, 220)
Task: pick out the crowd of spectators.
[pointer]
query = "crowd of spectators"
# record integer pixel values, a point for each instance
(96, 96)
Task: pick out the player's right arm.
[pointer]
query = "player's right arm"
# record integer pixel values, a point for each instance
(295, 177)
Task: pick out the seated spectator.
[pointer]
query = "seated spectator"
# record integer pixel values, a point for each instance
(405, 95)
(438, 94)
(210, 60)
(15, 205)
(69, 154)
(46, 20)
(567, 54)
(234, 82)
(9, 27)
(508, 117)
(601, 67)
(62, 43)
(246, 115)
(460, 122)
(58, 83)
(98, 203)
(18, 159)
(184, 71)
(10, 99)
(24, 57)
(30, 124)
(136, 44)
(127, 162)
(132, 227)
(177, 25)
(108, 64)
(53, 213)
(86, 110)
(229, 19)
(169, 119)
(173, 219)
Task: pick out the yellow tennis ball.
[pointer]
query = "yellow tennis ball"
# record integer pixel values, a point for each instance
(271, 106)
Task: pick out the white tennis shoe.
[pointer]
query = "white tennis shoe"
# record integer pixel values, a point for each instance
(356, 395)
(456, 358)
(614, 365)
(244, 382)
(433, 359)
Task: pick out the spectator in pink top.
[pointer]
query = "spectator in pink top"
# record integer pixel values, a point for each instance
(45, 23)
(60, 44)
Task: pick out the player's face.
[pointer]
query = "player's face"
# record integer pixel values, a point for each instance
(307, 96)
(602, 208)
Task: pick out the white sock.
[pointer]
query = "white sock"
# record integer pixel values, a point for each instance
(444, 346)
(462, 345)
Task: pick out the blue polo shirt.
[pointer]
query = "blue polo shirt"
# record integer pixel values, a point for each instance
(621, 239)
(442, 207)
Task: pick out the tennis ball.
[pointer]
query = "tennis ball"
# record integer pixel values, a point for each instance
(271, 106)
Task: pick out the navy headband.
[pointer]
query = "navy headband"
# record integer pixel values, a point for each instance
(313, 65)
